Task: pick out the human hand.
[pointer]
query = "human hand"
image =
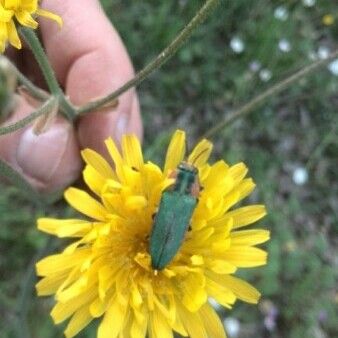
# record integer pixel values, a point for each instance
(90, 61)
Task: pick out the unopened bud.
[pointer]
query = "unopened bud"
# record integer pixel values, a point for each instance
(43, 123)
(8, 83)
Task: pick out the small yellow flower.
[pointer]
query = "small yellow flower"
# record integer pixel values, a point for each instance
(107, 271)
(22, 12)
(328, 19)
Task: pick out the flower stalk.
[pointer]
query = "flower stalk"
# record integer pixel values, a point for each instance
(48, 72)
(270, 92)
(43, 110)
(155, 64)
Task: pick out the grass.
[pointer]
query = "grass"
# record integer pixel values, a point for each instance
(194, 90)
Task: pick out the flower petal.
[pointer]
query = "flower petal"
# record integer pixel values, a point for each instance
(218, 291)
(138, 328)
(246, 215)
(116, 156)
(245, 256)
(50, 15)
(175, 152)
(78, 322)
(194, 294)
(95, 160)
(192, 322)
(62, 311)
(6, 15)
(240, 288)
(238, 172)
(29, 6)
(113, 320)
(201, 153)
(94, 180)
(158, 326)
(13, 35)
(64, 227)
(84, 203)
(249, 237)
(211, 322)
(26, 19)
(132, 152)
(61, 262)
(49, 285)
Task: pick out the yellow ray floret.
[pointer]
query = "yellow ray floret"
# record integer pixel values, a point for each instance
(19, 12)
(106, 272)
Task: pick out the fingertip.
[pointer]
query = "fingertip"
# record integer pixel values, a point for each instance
(49, 161)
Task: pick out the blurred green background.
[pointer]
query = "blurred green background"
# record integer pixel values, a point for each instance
(290, 145)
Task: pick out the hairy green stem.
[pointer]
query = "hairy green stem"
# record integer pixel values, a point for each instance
(33, 90)
(272, 91)
(44, 109)
(164, 56)
(40, 56)
(48, 73)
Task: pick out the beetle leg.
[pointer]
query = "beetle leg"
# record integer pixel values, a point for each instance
(188, 233)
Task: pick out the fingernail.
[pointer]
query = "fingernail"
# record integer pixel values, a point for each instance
(39, 155)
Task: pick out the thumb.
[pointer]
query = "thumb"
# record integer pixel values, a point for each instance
(94, 62)
(49, 161)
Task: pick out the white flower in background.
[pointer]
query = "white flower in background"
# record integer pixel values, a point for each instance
(300, 176)
(333, 67)
(323, 52)
(309, 3)
(265, 75)
(281, 13)
(232, 326)
(255, 66)
(284, 45)
(237, 45)
(312, 55)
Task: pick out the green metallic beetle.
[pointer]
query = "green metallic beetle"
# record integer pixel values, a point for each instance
(174, 214)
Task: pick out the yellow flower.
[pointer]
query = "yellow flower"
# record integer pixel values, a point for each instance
(328, 19)
(107, 271)
(22, 12)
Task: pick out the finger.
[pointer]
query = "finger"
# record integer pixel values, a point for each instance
(107, 125)
(49, 161)
(94, 62)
